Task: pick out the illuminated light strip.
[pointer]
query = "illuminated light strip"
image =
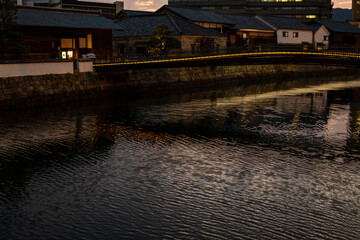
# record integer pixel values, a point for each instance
(337, 54)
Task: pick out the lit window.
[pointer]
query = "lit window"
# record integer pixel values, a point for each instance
(70, 54)
(285, 34)
(310, 16)
(89, 41)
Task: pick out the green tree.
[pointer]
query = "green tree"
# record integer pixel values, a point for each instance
(162, 41)
(8, 31)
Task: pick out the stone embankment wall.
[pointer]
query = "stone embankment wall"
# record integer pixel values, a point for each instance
(33, 90)
(199, 78)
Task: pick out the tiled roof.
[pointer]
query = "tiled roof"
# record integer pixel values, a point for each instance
(247, 22)
(341, 27)
(196, 15)
(146, 24)
(136, 13)
(314, 27)
(65, 19)
(128, 13)
(285, 23)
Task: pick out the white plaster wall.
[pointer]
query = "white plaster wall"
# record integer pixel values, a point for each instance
(319, 36)
(35, 69)
(86, 66)
(304, 36)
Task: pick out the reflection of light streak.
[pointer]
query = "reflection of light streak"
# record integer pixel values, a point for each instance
(338, 125)
(356, 130)
(296, 121)
(292, 92)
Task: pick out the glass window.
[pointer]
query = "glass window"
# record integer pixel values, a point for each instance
(285, 34)
(295, 34)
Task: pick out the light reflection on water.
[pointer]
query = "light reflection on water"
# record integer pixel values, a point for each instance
(240, 163)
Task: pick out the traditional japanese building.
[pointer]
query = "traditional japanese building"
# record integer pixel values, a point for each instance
(342, 34)
(204, 18)
(248, 32)
(65, 34)
(290, 32)
(138, 29)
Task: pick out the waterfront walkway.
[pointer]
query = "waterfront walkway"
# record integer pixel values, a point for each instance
(331, 58)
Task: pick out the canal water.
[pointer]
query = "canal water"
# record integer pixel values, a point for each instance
(257, 161)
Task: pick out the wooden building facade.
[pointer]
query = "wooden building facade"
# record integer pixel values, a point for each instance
(65, 34)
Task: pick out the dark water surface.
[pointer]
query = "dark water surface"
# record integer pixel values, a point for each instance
(268, 161)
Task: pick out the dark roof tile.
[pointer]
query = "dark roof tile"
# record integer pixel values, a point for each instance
(146, 24)
(341, 27)
(63, 19)
(136, 13)
(285, 23)
(197, 15)
(247, 22)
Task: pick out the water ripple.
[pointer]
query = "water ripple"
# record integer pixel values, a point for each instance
(274, 165)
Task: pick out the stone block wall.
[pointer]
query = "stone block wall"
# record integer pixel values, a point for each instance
(152, 80)
(33, 90)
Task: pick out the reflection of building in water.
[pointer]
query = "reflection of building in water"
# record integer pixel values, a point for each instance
(310, 103)
(111, 131)
(337, 126)
(69, 134)
(354, 128)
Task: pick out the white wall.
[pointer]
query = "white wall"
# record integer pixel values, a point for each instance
(303, 36)
(34, 69)
(319, 37)
(86, 66)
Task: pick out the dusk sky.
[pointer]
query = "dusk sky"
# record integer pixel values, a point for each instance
(151, 5)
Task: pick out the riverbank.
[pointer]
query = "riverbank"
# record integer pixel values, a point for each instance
(45, 89)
